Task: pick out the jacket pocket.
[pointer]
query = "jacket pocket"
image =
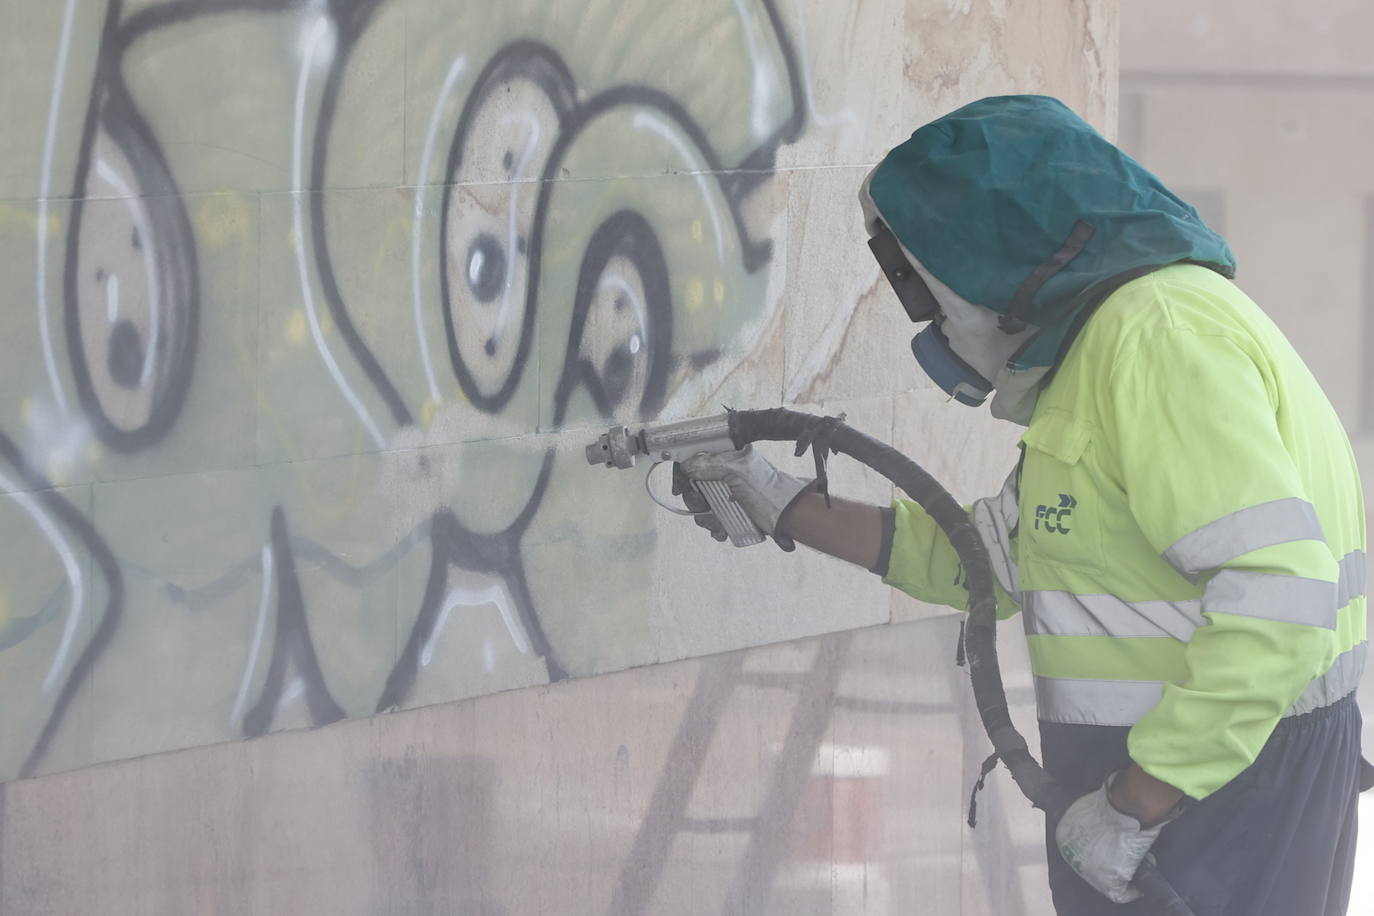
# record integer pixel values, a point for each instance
(1060, 521)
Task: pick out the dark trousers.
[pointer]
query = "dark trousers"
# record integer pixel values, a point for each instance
(1278, 840)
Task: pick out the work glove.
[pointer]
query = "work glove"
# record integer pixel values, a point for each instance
(761, 490)
(1104, 845)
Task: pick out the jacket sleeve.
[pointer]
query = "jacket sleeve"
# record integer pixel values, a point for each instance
(923, 563)
(1214, 489)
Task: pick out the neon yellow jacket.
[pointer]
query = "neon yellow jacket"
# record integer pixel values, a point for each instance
(1187, 540)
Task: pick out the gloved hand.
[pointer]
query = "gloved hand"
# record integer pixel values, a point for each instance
(764, 492)
(1104, 845)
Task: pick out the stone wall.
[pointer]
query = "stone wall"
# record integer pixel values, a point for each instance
(311, 309)
(313, 306)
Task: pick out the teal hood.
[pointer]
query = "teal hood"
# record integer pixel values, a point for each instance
(1018, 205)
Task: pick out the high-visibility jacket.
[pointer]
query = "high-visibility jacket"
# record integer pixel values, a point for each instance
(1185, 532)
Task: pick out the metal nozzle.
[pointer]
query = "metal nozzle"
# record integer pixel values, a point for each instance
(615, 449)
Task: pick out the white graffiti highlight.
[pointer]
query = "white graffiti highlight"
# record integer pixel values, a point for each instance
(475, 265)
(654, 124)
(765, 81)
(616, 282)
(292, 692)
(44, 191)
(454, 71)
(63, 440)
(264, 604)
(476, 597)
(112, 177)
(321, 33)
(70, 567)
(112, 297)
(317, 37)
(512, 208)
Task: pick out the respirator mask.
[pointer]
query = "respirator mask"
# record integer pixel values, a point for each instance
(1005, 224)
(966, 349)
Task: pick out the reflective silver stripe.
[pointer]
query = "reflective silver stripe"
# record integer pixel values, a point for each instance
(1286, 599)
(1341, 679)
(1052, 613)
(995, 518)
(1265, 525)
(1354, 578)
(1081, 701)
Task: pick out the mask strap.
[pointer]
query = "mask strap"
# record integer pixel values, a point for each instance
(1014, 322)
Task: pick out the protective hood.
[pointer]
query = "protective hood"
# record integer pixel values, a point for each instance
(1018, 206)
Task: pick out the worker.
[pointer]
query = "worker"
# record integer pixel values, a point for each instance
(1183, 532)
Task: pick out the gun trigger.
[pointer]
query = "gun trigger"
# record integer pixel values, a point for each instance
(648, 488)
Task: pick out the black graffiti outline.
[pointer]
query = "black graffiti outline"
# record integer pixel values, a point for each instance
(452, 544)
(113, 107)
(625, 234)
(351, 20)
(103, 558)
(496, 553)
(544, 67)
(292, 646)
(204, 597)
(538, 64)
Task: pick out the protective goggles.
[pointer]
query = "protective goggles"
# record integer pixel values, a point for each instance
(930, 346)
(911, 290)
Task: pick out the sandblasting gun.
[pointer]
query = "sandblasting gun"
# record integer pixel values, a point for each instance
(669, 442)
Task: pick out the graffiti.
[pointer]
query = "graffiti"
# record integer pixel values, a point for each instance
(528, 300)
(131, 365)
(73, 521)
(292, 646)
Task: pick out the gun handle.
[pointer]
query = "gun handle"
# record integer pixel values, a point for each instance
(743, 532)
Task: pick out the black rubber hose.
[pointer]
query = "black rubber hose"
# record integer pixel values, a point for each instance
(829, 434)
